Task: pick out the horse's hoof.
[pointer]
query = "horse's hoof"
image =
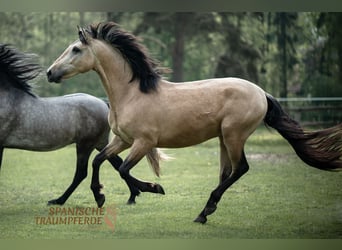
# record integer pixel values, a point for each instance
(201, 219)
(101, 200)
(54, 202)
(130, 202)
(158, 189)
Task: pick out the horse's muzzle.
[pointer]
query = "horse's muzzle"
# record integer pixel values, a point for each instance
(53, 77)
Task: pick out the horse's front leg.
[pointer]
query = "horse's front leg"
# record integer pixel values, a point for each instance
(1, 152)
(138, 150)
(83, 154)
(116, 162)
(111, 152)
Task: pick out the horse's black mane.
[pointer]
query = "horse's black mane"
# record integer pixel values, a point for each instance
(17, 68)
(143, 66)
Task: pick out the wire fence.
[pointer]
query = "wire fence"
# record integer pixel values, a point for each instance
(314, 111)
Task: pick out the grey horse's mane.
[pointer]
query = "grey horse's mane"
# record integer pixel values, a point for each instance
(17, 68)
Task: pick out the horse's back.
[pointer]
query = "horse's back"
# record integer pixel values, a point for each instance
(90, 115)
(88, 105)
(45, 124)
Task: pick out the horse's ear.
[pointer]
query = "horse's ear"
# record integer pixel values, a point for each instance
(82, 35)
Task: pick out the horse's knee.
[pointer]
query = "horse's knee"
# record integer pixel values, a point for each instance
(116, 161)
(243, 165)
(82, 175)
(124, 172)
(125, 168)
(99, 158)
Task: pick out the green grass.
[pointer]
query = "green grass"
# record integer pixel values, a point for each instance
(280, 197)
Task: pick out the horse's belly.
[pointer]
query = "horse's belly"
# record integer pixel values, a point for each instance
(35, 144)
(38, 139)
(187, 137)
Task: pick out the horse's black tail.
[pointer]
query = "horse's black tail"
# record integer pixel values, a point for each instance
(320, 149)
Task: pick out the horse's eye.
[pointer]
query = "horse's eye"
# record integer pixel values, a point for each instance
(76, 50)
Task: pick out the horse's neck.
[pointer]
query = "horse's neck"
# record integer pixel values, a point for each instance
(12, 101)
(115, 79)
(9, 93)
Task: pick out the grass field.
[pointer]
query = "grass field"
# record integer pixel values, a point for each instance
(280, 197)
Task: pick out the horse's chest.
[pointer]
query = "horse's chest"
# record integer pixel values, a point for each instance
(119, 127)
(123, 134)
(7, 118)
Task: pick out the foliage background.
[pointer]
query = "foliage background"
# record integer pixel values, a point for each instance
(286, 53)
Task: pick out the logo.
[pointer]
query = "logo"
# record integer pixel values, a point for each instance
(102, 218)
(110, 217)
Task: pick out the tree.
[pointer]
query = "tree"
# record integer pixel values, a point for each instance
(286, 26)
(175, 31)
(240, 57)
(332, 52)
(322, 57)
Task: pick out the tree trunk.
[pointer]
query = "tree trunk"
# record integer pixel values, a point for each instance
(178, 47)
(283, 48)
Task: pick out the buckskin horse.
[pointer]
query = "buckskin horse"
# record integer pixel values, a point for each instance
(148, 111)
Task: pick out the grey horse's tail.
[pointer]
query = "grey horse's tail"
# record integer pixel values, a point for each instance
(320, 149)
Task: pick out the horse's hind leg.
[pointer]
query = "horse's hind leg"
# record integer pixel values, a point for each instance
(225, 164)
(239, 166)
(83, 154)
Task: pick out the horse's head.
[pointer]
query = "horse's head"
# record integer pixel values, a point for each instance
(110, 51)
(78, 58)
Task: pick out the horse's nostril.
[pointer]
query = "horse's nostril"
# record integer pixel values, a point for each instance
(54, 76)
(49, 76)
